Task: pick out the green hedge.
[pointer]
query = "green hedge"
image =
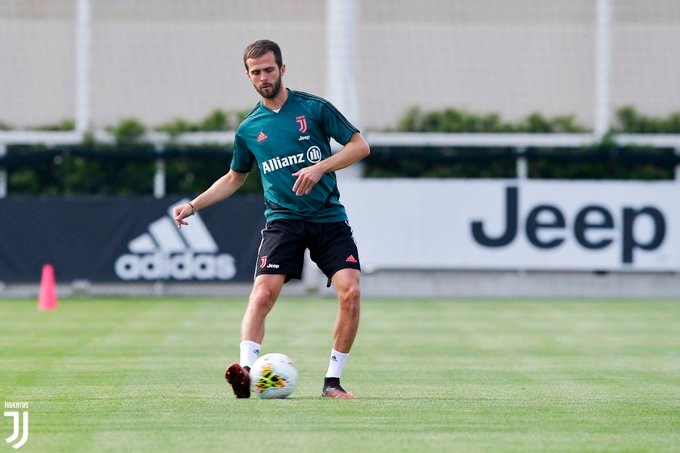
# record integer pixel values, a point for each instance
(128, 166)
(626, 120)
(602, 161)
(116, 169)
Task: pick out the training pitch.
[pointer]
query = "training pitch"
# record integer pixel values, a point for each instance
(137, 374)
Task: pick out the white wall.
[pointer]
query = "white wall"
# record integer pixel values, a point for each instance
(156, 60)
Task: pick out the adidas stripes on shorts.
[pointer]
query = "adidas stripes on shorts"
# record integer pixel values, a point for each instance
(282, 250)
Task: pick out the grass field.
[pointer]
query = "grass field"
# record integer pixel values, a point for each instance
(429, 375)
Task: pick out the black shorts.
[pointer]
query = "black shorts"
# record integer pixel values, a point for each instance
(282, 250)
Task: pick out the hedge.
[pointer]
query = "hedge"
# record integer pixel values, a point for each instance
(128, 166)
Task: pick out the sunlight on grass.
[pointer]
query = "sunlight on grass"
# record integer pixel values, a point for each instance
(430, 375)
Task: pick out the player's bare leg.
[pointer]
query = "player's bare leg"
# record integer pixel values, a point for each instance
(346, 283)
(263, 296)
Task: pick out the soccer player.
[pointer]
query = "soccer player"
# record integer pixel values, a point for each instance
(287, 135)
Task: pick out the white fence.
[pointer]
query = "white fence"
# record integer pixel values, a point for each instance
(96, 62)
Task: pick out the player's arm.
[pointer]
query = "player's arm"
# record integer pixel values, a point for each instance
(355, 150)
(220, 190)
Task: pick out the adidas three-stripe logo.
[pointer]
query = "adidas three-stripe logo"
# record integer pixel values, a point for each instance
(164, 236)
(165, 253)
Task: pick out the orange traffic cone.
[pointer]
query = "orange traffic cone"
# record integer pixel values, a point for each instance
(48, 289)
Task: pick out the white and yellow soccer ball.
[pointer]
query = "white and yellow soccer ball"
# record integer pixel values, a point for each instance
(272, 376)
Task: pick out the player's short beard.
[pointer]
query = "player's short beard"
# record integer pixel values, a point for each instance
(275, 88)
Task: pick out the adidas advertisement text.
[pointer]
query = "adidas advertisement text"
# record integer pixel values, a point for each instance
(183, 266)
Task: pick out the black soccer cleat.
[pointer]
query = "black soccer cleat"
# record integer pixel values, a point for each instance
(333, 389)
(239, 379)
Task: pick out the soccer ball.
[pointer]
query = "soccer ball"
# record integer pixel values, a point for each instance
(273, 376)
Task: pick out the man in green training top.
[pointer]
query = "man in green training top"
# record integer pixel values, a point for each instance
(287, 135)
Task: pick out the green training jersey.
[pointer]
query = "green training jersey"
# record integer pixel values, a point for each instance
(283, 142)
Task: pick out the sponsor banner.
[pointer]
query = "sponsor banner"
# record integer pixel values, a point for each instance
(510, 224)
(130, 240)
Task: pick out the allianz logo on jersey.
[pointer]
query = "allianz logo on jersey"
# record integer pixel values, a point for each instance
(165, 253)
(312, 155)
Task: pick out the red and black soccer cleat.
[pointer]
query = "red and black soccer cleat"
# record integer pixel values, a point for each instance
(333, 389)
(239, 379)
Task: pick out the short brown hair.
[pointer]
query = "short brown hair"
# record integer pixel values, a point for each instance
(261, 47)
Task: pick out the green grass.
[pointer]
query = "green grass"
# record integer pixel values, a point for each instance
(430, 375)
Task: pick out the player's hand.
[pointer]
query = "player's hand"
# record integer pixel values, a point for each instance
(306, 179)
(181, 212)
